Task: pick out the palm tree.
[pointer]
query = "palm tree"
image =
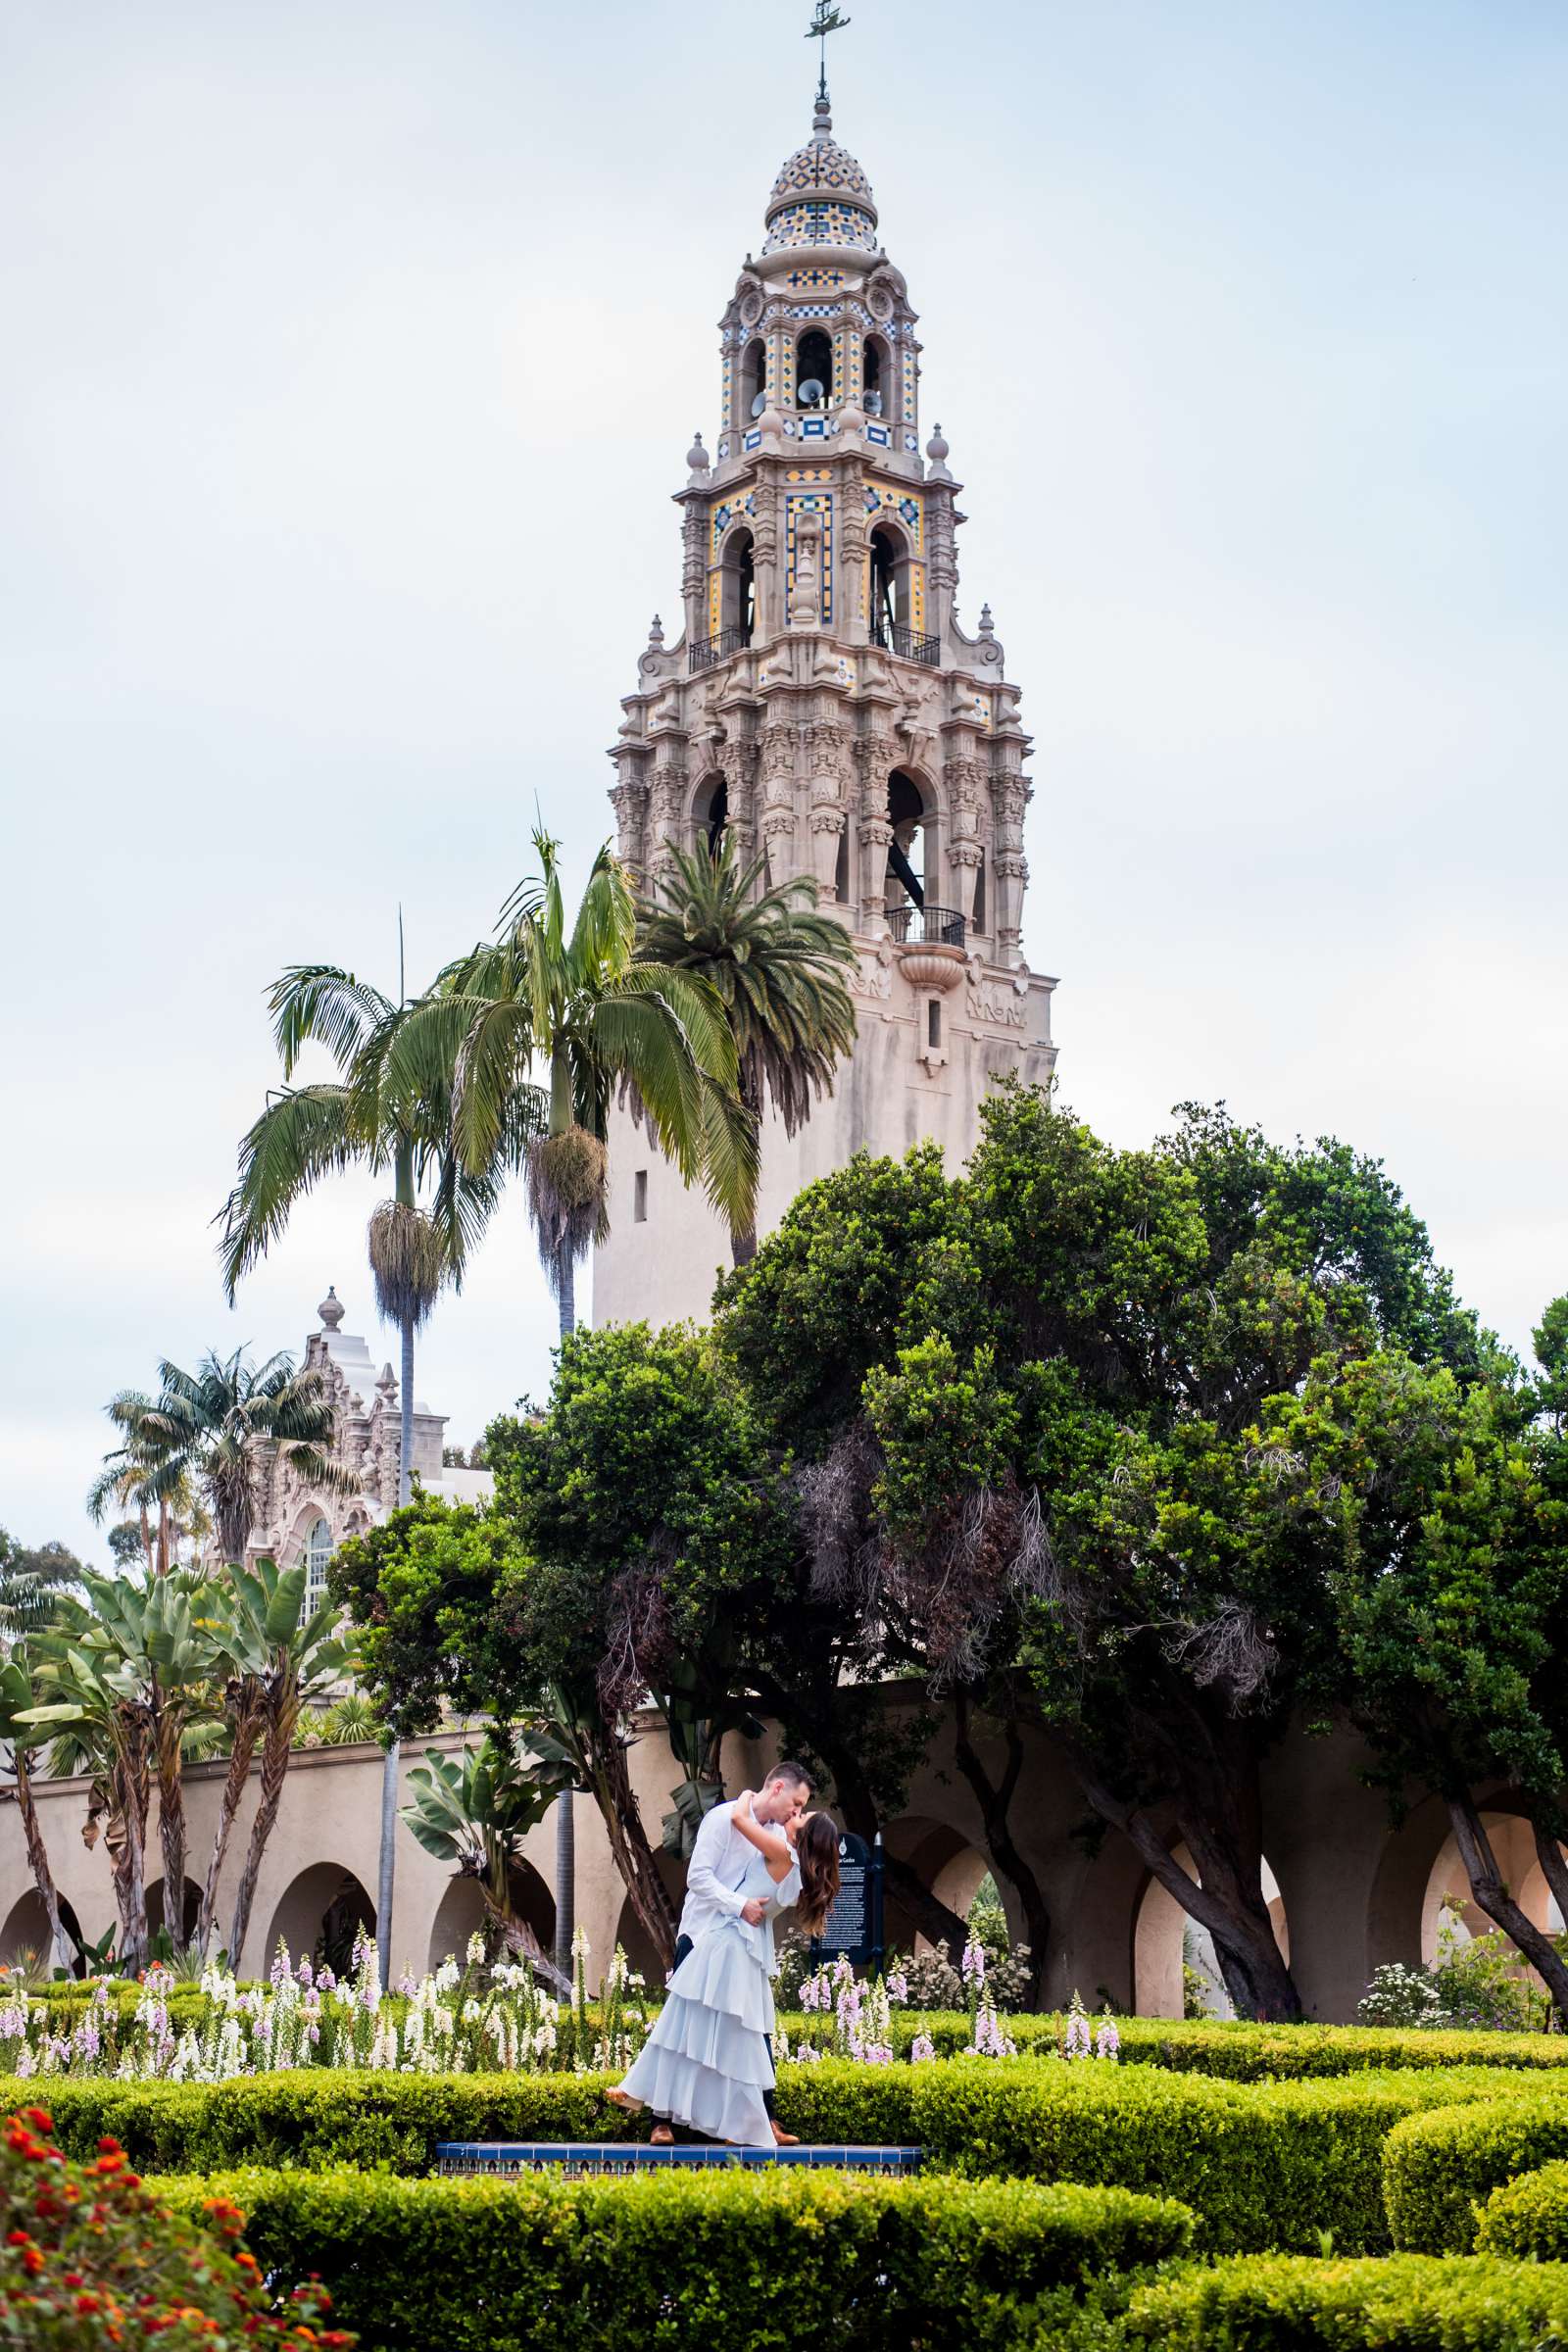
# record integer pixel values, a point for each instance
(34, 1581)
(293, 1658)
(776, 966)
(576, 1001)
(475, 1810)
(366, 1117)
(16, 1698)
(128, 1681)
(145, 1474)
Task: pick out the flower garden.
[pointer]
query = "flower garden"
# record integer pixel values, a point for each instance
(230, 2163)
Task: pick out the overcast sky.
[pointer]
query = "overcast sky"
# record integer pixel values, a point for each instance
(351, 354)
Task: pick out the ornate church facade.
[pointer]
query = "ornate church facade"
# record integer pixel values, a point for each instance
(298, 1520)
(823, 706)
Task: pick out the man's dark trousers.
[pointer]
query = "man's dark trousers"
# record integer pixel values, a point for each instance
(683, 1952)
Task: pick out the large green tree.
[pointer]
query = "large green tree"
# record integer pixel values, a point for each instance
(1030, 1400)
(775, 964)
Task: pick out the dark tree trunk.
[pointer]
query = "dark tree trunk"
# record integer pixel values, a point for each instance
(1488, 1887)
(39, 1857)
(239, 1767)
(1213, 1812)
(274, 1769)
(633, 1856)
(743, 1244)
(995, 1800)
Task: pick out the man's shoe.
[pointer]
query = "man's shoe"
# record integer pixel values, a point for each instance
(783, 2139)
(662, 2137)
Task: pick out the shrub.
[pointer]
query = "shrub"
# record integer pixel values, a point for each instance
(93, 2257)
(738, 2258)
(1241, 2051)
(1438, 2168)
(1264, 2165)
(1284, 2304)
(1527, 2216)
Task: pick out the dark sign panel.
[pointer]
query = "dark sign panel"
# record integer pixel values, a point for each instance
(854, 1925)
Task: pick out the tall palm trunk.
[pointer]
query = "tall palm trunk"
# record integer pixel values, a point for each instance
(171, 1823)
(128, 1808)
(387, 1868)
(282, 1716)
(38, 1858)
(246, 1732)
(566, 1823)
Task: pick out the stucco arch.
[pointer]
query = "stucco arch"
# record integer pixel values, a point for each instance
(189, 1909)
(461, 1913)
(25, 1929)
(947, 1864)
(301, 1912)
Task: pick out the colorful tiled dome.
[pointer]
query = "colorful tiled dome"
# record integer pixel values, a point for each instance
(821, 189)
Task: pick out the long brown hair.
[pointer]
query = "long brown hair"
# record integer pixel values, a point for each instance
(817, 1852)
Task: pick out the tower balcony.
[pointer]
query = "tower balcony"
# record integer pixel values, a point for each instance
(707, 653)
(929, 944)
(910, 645)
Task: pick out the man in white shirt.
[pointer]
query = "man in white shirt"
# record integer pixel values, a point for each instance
(721, 1859)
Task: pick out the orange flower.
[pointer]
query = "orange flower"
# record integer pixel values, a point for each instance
(31, 2261)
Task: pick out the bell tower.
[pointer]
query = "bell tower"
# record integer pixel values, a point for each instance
(822, 701)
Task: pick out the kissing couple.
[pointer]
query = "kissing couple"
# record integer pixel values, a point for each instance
(708, 2061)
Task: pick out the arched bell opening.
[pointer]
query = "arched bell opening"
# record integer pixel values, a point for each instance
(911, 887)
(889, 586)
(753, 380)
(737, 595)
(813, 366)
(876, 376)
(711, 814)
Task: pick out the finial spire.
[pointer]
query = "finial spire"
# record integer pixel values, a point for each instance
(825, 19)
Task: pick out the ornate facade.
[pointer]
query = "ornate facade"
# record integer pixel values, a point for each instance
(824, 705)
(298, 1520)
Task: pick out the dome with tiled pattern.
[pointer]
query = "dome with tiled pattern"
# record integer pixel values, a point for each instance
(822, 187)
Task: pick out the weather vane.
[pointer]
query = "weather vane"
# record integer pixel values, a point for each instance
(827, 19)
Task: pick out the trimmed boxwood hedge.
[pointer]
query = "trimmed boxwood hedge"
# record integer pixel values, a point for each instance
(744, 2259)
(1242, 2052)
(1438, 2168)
(1264, 2165)
(1527, 2216)
(1407, 2303)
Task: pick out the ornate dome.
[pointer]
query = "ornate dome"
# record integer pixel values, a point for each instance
(821, 196)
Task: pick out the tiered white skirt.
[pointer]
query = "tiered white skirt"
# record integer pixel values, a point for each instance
(707, 2063)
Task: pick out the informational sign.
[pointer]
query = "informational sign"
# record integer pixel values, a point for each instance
(854, 1925)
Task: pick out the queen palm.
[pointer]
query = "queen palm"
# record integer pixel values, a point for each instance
(366, 1117)
(775, 964)
(578, 1003)
(218, 1424)
(575, 1001)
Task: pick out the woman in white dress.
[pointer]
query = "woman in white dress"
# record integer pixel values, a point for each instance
(710, 2058)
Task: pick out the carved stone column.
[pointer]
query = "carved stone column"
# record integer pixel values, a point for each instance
(667, 809)
(1009, 798)
(875, 756)
(694, 569)
(778, 750)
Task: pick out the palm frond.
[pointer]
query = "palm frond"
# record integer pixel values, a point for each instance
(324, 1003)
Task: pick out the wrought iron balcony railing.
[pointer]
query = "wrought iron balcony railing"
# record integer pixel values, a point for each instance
(909, 644)
(926, 926)
(708, 652)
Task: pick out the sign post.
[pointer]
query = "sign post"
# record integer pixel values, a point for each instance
(854, 1925)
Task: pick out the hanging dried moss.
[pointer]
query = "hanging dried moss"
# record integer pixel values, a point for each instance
(407, 1262)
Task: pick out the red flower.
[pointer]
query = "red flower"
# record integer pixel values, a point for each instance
(39, 2118)
(108, 2148)
(18, 2237)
